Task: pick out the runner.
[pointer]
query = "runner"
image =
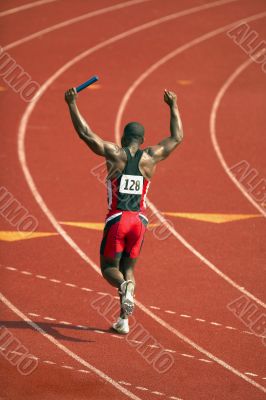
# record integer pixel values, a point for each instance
(130, 170)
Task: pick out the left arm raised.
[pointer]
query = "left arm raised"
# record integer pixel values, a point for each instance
(94, 142)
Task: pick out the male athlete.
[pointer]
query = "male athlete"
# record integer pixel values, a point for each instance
(130, 170)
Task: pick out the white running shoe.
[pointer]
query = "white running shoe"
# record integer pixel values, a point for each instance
(127, 291)
(121, 326)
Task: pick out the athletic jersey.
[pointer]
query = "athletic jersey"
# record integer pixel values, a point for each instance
(128, 191)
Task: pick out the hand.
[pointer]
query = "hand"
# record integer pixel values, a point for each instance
(70, 96)
(170, 98)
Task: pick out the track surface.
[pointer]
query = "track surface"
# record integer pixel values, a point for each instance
(183, 302)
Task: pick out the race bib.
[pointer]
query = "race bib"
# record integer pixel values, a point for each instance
(131, 184)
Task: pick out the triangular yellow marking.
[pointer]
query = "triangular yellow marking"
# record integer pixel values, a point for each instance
(214, 218)
(98, 226)
(184, 82)
(12, 236)
(2, 89)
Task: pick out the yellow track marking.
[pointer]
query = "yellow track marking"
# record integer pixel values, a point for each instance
(13, 236)
(184, 82)
(95, 86)
(213, 218)
(98, 226)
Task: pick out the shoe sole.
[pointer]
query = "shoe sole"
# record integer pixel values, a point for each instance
(128, 306)
(120, 331)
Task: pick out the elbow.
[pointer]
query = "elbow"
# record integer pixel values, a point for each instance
(179, 137)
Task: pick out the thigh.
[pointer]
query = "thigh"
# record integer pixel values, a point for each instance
(135, 238)
(112, 244)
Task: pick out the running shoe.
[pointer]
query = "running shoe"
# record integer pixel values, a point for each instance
(127, 291)
(121, 326)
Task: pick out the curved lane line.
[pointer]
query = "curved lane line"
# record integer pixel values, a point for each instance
(71, 21)
(66, 350)
(54, 222)
(120, 112)
(25, 7)
(213, 117)
(112, 8)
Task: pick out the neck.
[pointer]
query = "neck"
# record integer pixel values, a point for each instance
(133, 146)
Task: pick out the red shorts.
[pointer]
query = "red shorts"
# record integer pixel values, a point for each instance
(123, 234)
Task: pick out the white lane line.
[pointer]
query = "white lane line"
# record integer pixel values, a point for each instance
(70, 284)
(71, 21)
(187, 355)
(67, 366)
(231, 327)
(33, 314)
(48, 318)
(52, 219)
(118, 121)
(204, 360)
(49, 362)
(154, 307)
(70, 353)
(213, 117)
(49, 279)
(11, 268)
(25, 7)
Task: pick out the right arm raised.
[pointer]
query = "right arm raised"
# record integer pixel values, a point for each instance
(166, 146)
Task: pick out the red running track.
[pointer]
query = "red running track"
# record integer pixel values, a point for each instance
(183, 291)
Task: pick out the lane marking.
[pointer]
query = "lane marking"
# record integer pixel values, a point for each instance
(59, 229)
(66, 350)
(213, 131)
(25, 7)
(213, 323)
(71, 21)
(13, 236)
(118, 124)
(212, 217)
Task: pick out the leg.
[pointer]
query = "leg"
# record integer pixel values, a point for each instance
(110, 271)
(126, 267)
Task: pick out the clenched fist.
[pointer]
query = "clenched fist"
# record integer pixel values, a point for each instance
(170, 98)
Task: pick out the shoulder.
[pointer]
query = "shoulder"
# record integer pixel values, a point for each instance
(114, 151)
(148, 153)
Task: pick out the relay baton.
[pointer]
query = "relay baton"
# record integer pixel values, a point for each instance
(87, 83)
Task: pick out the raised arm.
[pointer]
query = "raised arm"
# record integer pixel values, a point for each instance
(167, 145)
(95, 143)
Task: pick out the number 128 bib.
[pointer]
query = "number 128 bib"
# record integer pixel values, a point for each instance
(131, 184)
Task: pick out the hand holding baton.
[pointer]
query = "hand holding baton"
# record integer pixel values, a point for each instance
(89, 82)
